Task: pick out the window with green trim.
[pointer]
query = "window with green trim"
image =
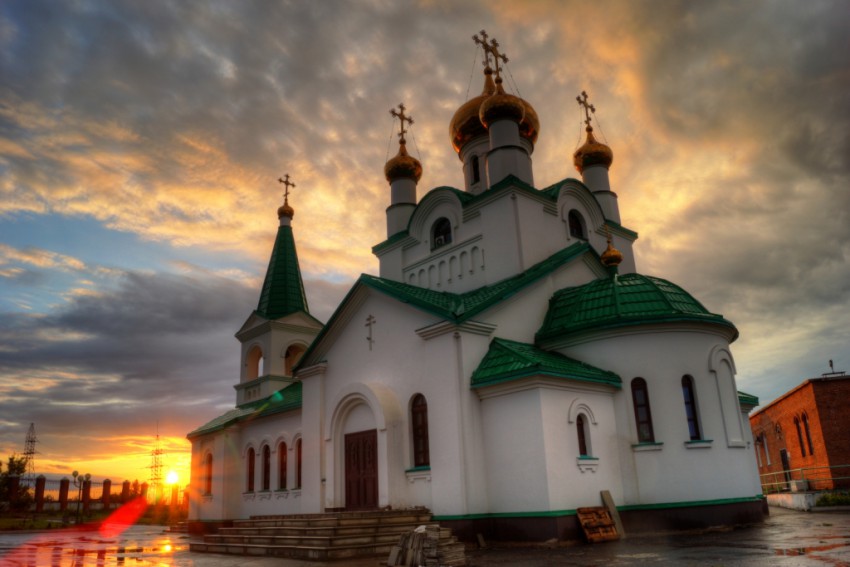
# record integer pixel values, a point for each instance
(249, 469)
(419, 424)
(691, 407)
(643, 415)
(581, 429)
(281, 466)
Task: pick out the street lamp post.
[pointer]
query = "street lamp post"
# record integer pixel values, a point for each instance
(79, 481)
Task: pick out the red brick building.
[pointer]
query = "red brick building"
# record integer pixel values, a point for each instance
(804, 435)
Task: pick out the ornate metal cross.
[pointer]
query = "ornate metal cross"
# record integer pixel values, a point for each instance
(588, 108)
(287, 183)
(370, 320)
(490, 49)
(402, 119)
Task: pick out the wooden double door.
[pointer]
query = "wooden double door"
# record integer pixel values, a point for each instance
(361, 470)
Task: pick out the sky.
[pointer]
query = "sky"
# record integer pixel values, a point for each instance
(140, 144)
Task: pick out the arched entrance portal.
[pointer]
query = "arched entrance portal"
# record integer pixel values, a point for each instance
(360, 458)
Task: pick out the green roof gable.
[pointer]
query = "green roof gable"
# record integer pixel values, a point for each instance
(746, 399)
(622, 300)
(455, 307)
(283, 289)
(510, 360)
(288, 398)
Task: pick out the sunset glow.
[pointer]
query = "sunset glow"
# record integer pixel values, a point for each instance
(140, 146)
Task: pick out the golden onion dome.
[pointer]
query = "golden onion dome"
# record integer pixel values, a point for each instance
(403, 165)
(611, 257)
(592, 153)
(285, 210)
(501, 106)
(466, 122)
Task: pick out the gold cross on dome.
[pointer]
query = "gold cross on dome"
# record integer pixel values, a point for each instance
(490, 49)
(402, 119)
(588, 108)
(287, 183)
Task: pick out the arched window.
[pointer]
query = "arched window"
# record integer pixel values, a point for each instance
(267, 467)
(690, 407)
(643, 416)
(581, 429)
(281, 466)
(252, 458)
(441, 233)
(291, 358)
(476, 170)
(298, 464)
(576, 223)
(800, 436)
(253, 361)
(208, 472)
(808, 434)
(419, 422)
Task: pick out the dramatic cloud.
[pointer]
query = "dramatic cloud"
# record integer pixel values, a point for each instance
(171, 122)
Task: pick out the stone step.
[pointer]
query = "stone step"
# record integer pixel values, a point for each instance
(321, 531)
(306, 541)
(295, 551)
(332, 521)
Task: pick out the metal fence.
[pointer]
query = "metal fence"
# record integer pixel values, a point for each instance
(807, 478)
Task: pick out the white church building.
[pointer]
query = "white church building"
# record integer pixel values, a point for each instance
(507, 365)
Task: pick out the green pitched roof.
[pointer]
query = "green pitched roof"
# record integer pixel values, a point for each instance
(747, 399)
(283, 290)
(461, 306)
(288, 398)
(622, 300)
(510, 360)
(455, 307)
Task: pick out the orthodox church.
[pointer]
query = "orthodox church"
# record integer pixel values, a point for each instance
(507, 365)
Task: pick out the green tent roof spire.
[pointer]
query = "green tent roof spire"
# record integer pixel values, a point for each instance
(283, 289)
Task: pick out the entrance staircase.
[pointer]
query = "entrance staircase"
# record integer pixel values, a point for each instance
(319, 537)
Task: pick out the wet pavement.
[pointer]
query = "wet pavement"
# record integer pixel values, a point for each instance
(786, 538)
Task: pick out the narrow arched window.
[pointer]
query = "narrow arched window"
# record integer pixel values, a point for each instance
(576, 223)
(441, 233)
(800, 436)
(252, 457)
(581, 429)
(476, 170)
(419, 421)
(281, 466)
(808, 434)
(267, 468)
(253, 362)
(690, 407)
(643, 415)
(291, 357)
(298, 464)
(208, 472)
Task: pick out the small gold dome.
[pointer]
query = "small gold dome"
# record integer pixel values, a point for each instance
(403, 166)
(611, 257)
(285, 211)
(501, 106)
(592, 153)
(466, 122)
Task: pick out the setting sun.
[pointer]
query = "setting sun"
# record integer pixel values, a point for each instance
(171, 477)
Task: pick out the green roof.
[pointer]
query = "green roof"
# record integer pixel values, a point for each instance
(456, 307)
(510, 360)
(283, 290)
(459, 307)
(747, 399)
(622, 300)
(288, 398)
